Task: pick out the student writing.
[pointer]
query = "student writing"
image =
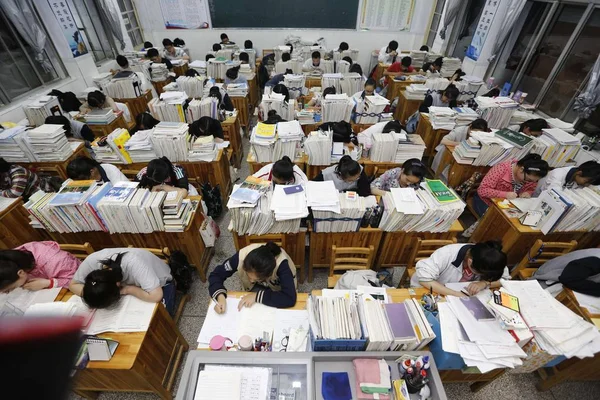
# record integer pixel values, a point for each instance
(531, 127)
(314, 63)
(162, 175)
(36, 266)
(398, 69)
(282, 172)
(171, 52)
(154, 56)
(409, 175)
(347, 175)
(17, 181)
(207, 126)
(454, 138)
(483, 264)
(266, 270)
(85, 168)
(570, 177)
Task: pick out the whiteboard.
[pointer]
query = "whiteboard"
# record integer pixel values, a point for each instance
(386, 15)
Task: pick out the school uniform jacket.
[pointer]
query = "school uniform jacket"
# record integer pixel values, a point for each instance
(444, 265)
(277, 291)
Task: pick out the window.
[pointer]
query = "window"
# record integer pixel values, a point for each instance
(132, 24)
(435, 22)
(89, 21)
(20, 71)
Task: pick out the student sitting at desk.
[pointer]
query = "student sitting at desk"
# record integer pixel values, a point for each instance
(388, 54)
(125, 71)
(409, 175)
(454, 138)
(441, 98)
(316, 101)
(266, 270)
(282, 172)
(207, 126)
(225, 39)
(171, 52)
(482, 263)
(510, 179)
(73, 128)
(179, 43)
(17, 181)
(36, 266)
(107, 274)
(347, 175)
(277, 79)
(147, 46)
(313, 64)
(232, 75)
(216, 47)
(368, 90)
(208, 57)
(85, 168)
(578, 270)
(531, 127)
(145, 121)
(244, 58)
(569, 177)
(424, 48)
(162, 175)
(398, 69)
(153, 56)
(432, 69)
(366, 137)
(98, 100)
(225, 102)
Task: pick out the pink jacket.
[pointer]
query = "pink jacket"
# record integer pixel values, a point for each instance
(498, 182)
(51, 262)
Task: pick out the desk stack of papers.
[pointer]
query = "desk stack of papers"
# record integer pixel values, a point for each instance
(437, 83)
(497, 146)
(295, 83)
(179, 220)
(207, 107)
(276, 101)
(318, 146)
(192, 86)
(262, 142)
(417, 57)
(140, 148)
(558, 330)
(40, 108)
(560, 124)
(417, 78)
(259, 218)
(557, 147)
(158, 72)
(202, 148)
(103, 153)
(332, 80)
(124, 88)
(102, 80)
(117, 141)
(336, 108)
(237, 89)
(14, 145)
(217, 67)
(385, 147)
(48, 142)
(431, 57)
(497, 111)
(442, 117)
(305, 117)
(100, 116)
(373, 107)
(342, 67)
(467, 151)
(18, 301)
(199, 66)
(465, 115)
(323, 196)
(170, 140)
(409, 146)
(449, 66)
(468, 86)
(521, 116)
(171, 107)
(416, 91)
(289, 139)
(351, 83)
(352, 211)
(288, 206)
(294, 65)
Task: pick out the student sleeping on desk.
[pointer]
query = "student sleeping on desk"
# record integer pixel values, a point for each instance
(483, 264)
(266, 270)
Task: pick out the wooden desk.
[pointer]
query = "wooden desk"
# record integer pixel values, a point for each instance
(189, 241)
(231, 132)
(378, 74)
(241, 104)
(105, 130)
(458, 173)
(143, 362)
(312, 81)
(253, 91)
(256, 166)
(137, 105)
(517, 239)
(181, 69)
(58, 168)
(405, 107)
(431, 137)
(395, 87)
(397, 246)
(14, 226)
(159, 86)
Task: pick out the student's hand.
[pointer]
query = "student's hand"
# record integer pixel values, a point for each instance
(36, 284)
(125, 290)
(476, 287)
(221, 306)
(511, 195)
(247, 301)
(525, 195)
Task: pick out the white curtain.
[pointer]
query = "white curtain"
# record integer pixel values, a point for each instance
(587, 101)
(514, 9)
(452, 8)
(112, 15)
(21, 15)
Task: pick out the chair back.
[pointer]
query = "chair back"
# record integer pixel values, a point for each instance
(539, 253)
(349, 258)
(81, 251)
(423, 248)
(162, 253)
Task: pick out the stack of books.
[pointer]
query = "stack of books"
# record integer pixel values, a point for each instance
(158, 72)
(288, 203)
(442, 117)
(318, 146)
(332, 80)
(437, 83)
(498, 146)
(323, 196)
(335, 323)
(295, 83)
(465, 115)
(279, 50)
(467, 151)
(409, 146)
(192, 86)
(305, 117)
(169, 139)
(342, 67)
(294, 65)
(14, 145)
(336, 108)
(124, 88)
(449, 66)
(276, 101)
(497, 111)
(102, 80)
(172, 108)
(117, 141)
(289, 139)
(560, 124)
(417, 57)
(178, 212)
(468, 87)
(351, 83)
(207, 107)
(217, 67)
(100, 116)
(557, 147)
(521, 116)
(352, 53)
(40, 108)
(580, 209)
(202, 149)
(262, 141)
(431, 57)
(373, 107)
(103, 152)
(199, 66)
(416, 91)
(48, 142)
(237, 89)
(352, 211)
(385, 147)
(409, 326)
(140, 148)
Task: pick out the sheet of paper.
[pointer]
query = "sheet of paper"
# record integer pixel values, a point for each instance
(220, 324)
(285, 321)
(218, 385)
(255, 382)
(590, 302)
(256, 320)
(19, 300)
(450, 329)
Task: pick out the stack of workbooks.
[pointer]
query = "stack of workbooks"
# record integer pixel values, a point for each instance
(288, 202)
(417, 57)
(217, 67)
(40, 108)
(249, 192)
(335, 323)
(323, 196)
(191, 85)
(318, 146)
(102, 80)
(199, 66)
(497, 111)
(409, 146)
(48, 142)
(103, 152)
(467, 151)
(373, 107)
(117, 140)
(351, 82)
(262, 141)
(497, 146)
(294, 65)
(171, 106)
(289, 139)
(140, 148)
(276, 101)
(385, 147)
(202, 148)
(305, 117)
(170, 140)
(465, 115)
(416, 91)
(557, 147)
(332, 80)
(468, 86)
(295, 83)
(207, 107)
(352, 211)
(442, 117)
(237, 89)
(158, 72)
(14, 145)
(437, 83)
(352, 53)
(449, 66)
(128, 87)
(342, 67)
(176, 219)
(100, 116)
(336, 108)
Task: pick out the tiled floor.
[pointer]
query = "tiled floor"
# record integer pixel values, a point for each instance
(508, 387)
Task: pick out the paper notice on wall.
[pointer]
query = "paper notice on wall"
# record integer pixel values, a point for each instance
(185, 14)
(483, 28)
(386, 15)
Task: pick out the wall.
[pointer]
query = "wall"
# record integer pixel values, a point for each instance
(201, 41)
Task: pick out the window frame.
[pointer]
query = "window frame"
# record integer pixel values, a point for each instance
(125, 13)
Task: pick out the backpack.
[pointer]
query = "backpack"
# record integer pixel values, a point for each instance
(352, 279)
(342, 131)
(212, 198)
(412, 122)
(181, 270)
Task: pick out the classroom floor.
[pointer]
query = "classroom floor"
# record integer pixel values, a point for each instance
(509, 386)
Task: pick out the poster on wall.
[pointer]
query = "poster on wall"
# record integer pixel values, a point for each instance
(74, 37)
(185, 14)
(386, 15)
(483, 28)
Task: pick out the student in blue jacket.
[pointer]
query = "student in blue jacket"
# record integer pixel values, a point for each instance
(266, 270)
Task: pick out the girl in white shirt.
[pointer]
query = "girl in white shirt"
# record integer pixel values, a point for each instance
(282, 172)
(569, 177)
(84, 168)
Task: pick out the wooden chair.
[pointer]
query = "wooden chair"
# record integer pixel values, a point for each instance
(81, 251)
(539, 253)
(421, 249)
(349, 258)
(279, 240)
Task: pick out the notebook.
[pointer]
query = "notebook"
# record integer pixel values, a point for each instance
(101, 349)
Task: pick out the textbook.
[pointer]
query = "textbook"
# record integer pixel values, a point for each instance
(440, 191)
(251, 190)
(73, 192)
(116, 140)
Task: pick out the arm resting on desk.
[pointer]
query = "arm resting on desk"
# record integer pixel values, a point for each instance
(217, 278)
(76, 288)
(153, 296)
(284, 298)
(438, 288)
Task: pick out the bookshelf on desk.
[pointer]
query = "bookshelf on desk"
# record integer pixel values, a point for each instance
(458, 173)
(14, 225)
(406, 107)
(137, 105)
(57, 168)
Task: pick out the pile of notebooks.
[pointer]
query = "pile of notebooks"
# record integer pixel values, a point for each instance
(332, 80)
(276, 101)
(199, 66)
(467, 151)
(14, 145)
(417, 57)
(351, 83)
(295, 83)
(409, 146)
(323, 196)
(237, 89)
(262, 141)
(217, 67)
(305, 117)
(202, 148)
(48, 142)
(289, 138)
(172, 109)
(158, 72)
(170, 139)
(442, 117)
(416, 91)
(496, 147)
(288, 202)
(373, 107)
(102, 116)
(140, 148)
(497, 111)
(468, 87)
(178, 212)
(352, 211)
(465, 115)
(128, 87)
(191, 85)
(40, 108)
(102, 80)
(385, 147)
(318, 147)
(207, 107)
(557, 147)
(449, 66)
(336, 108)
(352, 53)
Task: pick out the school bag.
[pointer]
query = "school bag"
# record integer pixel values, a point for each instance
(212, 198)
(412, 122)
(352, 279)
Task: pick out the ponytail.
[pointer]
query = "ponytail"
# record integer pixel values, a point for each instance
(534, 165)
(100, 288)
(262, 260)
(347, 167)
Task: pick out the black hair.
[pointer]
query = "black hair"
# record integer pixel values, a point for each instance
(480, 124)
(284, 169)
(4, 165)
(393, 45)
(406, 61)
(426, 66)
(291, 47)
(348, 60)
(248, 44)
(534, 165)
(414, 167)
(356, 68)
(451, 92)
(438, 62)
(536, 125)
(282, 89)
(145, 120)
(244, 57)
(60, 120)
(328, 90)
(148, 45)
(347, 167)
(590, 169)
(157, 172)
(273, 118)
(151, 53)
(167, 42)
(192, 73)
(208, 57)
(11, 261)
(100, 289)
(286, 57)
(96, 98)
(79, 168)
(206, 126)
(215, 92)
(370, 82)
(216, 47)
(393, 126)
(122, 61)
(232, 73)
(68, 100)
(488, 259)
(224, 36)
(288, 72)
(316, 54)
(343, 46)
(262, 260)
(178, 42)
(495, 92)
(424, 48)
